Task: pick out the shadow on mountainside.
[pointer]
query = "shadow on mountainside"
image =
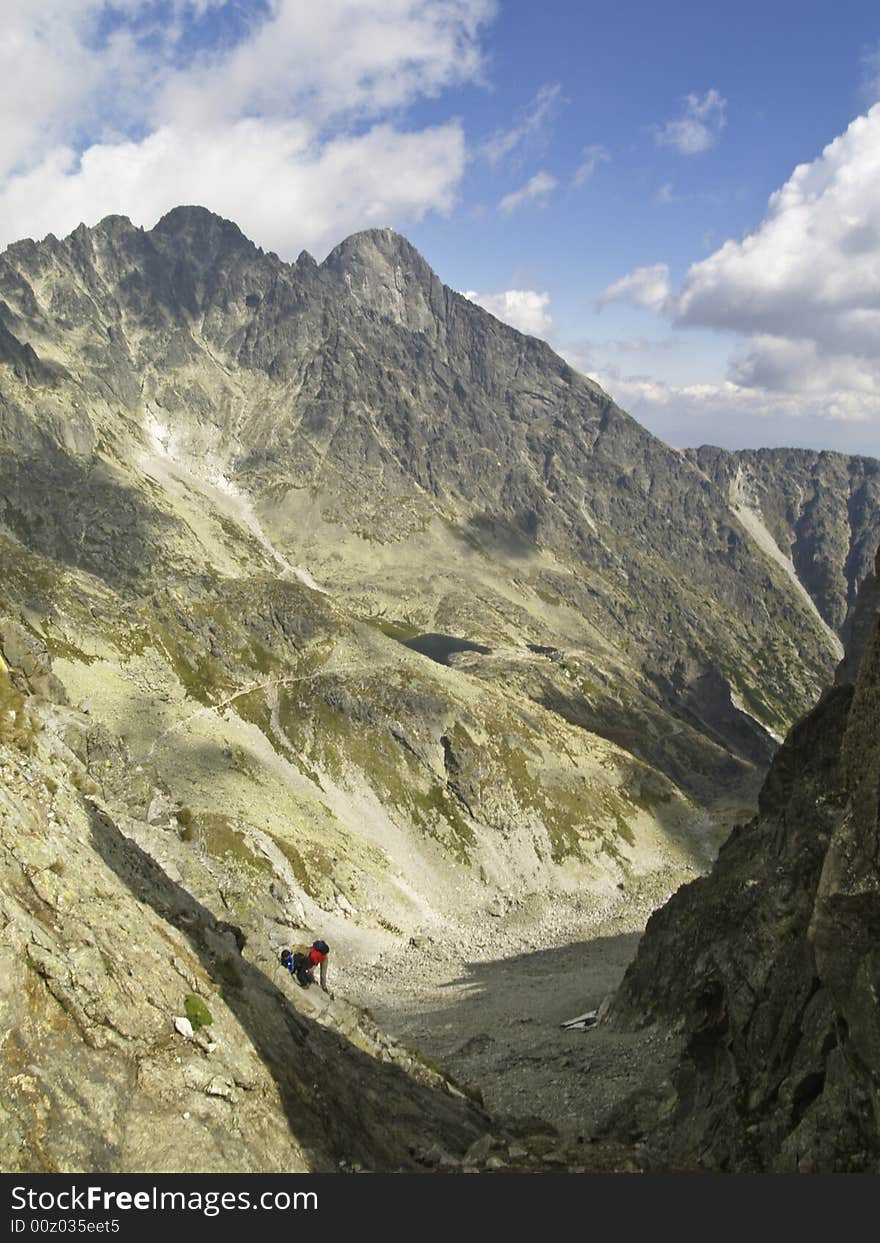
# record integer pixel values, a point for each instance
(495, 1025)
(499, 536)
(695, 757)
(80, 513)
(341, 1104)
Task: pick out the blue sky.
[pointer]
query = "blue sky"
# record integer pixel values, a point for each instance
(599, 175)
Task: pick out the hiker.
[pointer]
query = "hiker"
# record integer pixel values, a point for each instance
(303, 959)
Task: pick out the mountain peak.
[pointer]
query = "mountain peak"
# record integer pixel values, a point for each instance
(381, 269)
(200, 229)
(114, 223)
(377, 249)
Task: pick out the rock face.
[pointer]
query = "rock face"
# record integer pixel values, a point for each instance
(767, 969)
(821, 510)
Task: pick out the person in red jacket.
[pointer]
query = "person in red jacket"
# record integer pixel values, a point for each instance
(302, 961)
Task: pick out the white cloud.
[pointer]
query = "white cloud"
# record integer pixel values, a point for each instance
(336, 58)
(800, 298)
(536, 190)
(728, 400)
(791, 366)
(524, 309)
(60, 73)
(736, 416)
(48, 74)
(295, 131)
(530, 128)
(804, 288)
(698, 128)
(647, 287)
(267, 176)
(579, 353)
(593, 156)
(642, 345)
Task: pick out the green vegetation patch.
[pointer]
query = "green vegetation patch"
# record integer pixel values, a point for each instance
(357, 735)
(228, 971)
(399, 630)
(30, 579)
(17, 725)
(224, 841)
(197, 1012)
(304, 871)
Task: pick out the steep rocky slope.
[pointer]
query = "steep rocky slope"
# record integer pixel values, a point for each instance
(767, 970)
(143, 1030)
(821, 509)
(147, 1023)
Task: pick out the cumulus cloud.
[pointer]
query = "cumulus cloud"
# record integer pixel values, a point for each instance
(800, 298)
(524, 309)
(359, 57)
(75, 67)
(735, 416)
(290, 123)
(801, 366)
(283, 190)
(644, 345)
(536, 190)
(530, 128)
(580, 353)
(698, 128)
(804, 288)
(647, 287)
(593, 156)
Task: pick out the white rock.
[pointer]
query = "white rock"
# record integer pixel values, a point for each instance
(219, 1087)
(184, 1027)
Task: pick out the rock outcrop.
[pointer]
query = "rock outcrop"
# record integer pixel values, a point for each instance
(821, 510)
(767, 969)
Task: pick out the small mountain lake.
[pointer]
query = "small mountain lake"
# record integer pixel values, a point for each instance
(439, 647)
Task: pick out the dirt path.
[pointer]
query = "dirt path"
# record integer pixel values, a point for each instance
(487, 1006)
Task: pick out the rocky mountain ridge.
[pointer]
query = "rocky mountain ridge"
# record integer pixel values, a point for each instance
(820, 505)
(391, 424)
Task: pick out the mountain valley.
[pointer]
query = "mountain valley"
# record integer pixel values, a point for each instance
(334, 606)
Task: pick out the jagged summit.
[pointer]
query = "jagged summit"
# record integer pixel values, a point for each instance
(198, 227)
(202, 231)
(376, 246)
(115, 223)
